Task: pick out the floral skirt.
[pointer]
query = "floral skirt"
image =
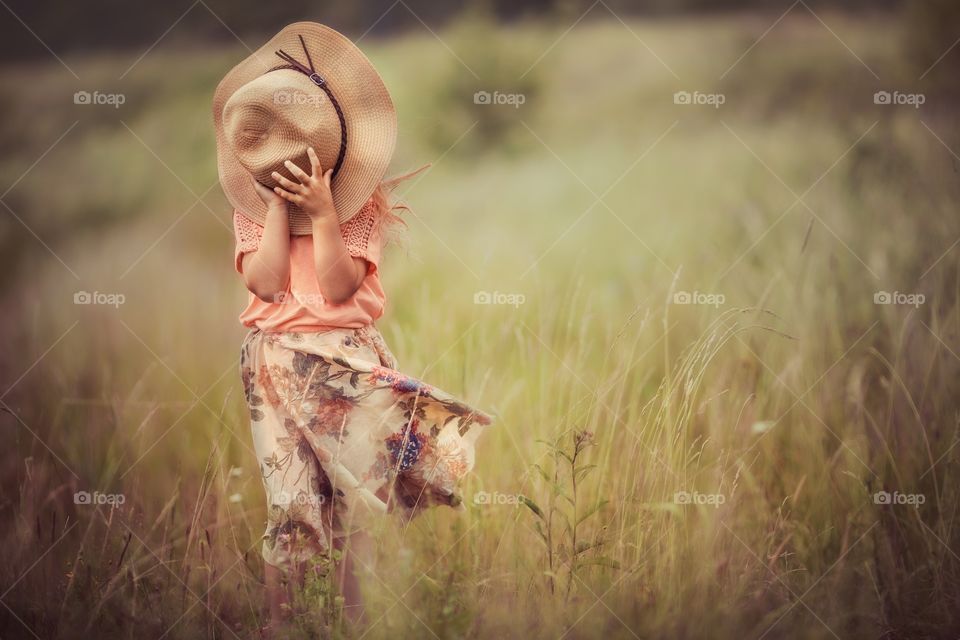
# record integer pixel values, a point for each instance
(342, 437)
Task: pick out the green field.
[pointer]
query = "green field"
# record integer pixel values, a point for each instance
(780, 405)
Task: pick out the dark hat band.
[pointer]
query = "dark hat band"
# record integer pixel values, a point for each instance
(321, 82)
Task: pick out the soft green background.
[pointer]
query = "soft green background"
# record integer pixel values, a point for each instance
(598, 200)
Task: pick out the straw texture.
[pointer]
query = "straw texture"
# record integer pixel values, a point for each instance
(264, 115)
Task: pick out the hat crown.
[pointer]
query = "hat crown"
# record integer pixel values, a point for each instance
(274, 117)
(306, 86)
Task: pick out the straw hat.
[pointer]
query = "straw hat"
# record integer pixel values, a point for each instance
(307, 86)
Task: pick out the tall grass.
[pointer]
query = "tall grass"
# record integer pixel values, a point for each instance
(726, 487)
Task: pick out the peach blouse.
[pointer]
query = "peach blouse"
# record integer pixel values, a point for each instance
(301, 307)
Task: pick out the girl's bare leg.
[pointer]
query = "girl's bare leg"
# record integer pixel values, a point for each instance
(279, 589)
(356, 555)
(278, 596)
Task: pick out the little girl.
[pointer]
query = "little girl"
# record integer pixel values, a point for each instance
(340, 436)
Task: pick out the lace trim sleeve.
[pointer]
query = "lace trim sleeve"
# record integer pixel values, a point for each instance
(361, 235)
(248, 234)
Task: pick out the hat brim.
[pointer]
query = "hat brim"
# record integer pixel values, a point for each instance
(371, 120)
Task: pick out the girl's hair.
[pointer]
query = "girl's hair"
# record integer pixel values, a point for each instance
(387, 209)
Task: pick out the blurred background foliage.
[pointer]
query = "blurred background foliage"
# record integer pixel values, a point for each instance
(73, 26)
(103, 25)
(145, 399)
(118, 33)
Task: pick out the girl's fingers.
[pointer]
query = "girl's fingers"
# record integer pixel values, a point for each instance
(264, 193)
(289, 185)
(327, 177)
(286, 195)
(297, 172)
(315, 167)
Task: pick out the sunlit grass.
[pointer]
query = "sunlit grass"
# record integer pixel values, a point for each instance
(794, 400)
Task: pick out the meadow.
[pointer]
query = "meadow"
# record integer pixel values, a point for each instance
(722, 343)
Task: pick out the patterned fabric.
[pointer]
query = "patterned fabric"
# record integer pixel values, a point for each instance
(342, 437)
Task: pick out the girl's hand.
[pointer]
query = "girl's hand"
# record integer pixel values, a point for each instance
(271, 199)
(312, 193)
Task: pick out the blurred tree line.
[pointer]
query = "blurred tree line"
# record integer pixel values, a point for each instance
(67, 25)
